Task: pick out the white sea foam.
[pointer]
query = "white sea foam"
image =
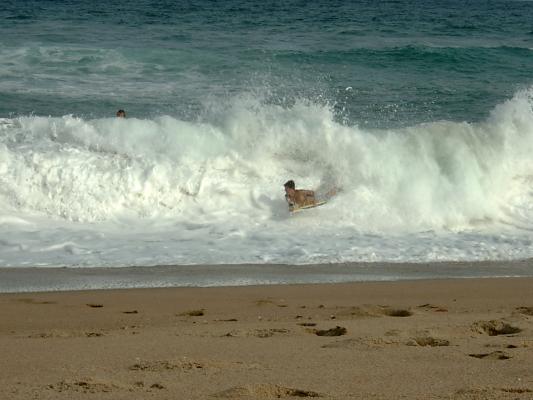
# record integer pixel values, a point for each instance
(130, 191)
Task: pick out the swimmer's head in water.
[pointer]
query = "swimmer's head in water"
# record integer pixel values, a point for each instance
(290, 185)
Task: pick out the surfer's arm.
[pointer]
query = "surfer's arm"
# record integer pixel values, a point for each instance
(290, 201)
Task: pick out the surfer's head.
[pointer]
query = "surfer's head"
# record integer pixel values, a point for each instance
(290, 185)
(121, 114)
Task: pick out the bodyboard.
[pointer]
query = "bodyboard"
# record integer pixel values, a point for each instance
(317, 204)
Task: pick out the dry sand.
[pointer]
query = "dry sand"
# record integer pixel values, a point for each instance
(446, 339)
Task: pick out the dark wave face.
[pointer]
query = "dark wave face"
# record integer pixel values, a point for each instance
(378, 64)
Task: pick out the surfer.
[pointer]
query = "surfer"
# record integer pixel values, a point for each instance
(121, 114)
(298, 198)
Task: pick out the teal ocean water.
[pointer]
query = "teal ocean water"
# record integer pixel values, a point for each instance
(420, 112)
(385, 63)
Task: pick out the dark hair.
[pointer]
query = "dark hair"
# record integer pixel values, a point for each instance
(121, 112)
(290, 184)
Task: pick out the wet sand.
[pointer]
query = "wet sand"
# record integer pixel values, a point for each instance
(442, 339)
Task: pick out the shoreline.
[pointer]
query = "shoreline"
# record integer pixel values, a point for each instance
(460, 339)
(44, 279)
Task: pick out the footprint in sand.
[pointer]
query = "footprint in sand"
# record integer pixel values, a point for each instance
(432, 307)
(64, 334)
(49, 335)
(495, 355)
(186, 365)
(516, 390)
(374, 311)
(307, 324)
(361, 343)
(427, 341)
(94, 334)
(260, 333)
(337, 331)
(93, 386)
(192, 313)
(525, 311)
(159, 366)
(396, 312)
(264, 391)
(495, 328)
(83, 386)
(492, 393)
(506, 346)
(94, 305)
(263, 302)
(157, 386)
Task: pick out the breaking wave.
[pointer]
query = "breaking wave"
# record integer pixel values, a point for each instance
(233, 163)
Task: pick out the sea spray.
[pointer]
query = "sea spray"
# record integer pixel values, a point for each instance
(429, 176)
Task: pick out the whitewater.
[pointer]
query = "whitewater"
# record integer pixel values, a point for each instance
(111, 192)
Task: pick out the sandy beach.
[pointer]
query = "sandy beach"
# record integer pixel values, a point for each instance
(441, 339)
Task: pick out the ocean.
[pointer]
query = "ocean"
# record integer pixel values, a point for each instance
(420, 114)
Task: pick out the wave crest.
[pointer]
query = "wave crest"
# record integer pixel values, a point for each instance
(233, 164)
